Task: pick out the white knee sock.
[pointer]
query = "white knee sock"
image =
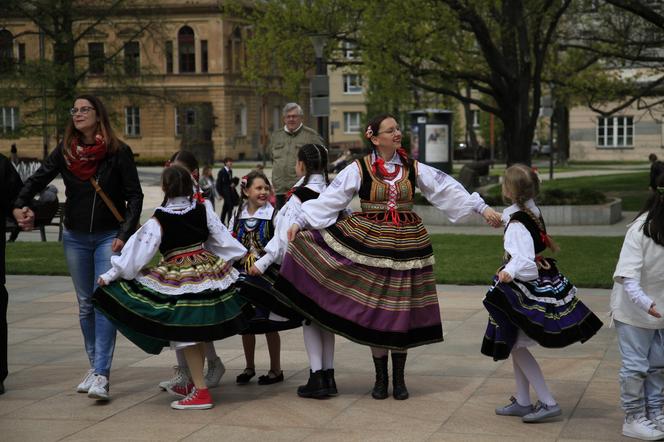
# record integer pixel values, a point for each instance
(313, 342)
(533, 373)
(522, 394)
(210, 351)
(182, 362)
(328, 348)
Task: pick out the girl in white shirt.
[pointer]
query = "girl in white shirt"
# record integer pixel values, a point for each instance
(531, 302)
(189, 297)
(636, 300)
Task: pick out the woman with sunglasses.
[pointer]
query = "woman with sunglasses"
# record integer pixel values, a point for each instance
(104, 201)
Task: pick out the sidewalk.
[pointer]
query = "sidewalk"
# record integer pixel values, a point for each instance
(454, 389)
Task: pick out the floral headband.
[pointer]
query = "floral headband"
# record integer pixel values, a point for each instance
(369, 132)
(243, 182)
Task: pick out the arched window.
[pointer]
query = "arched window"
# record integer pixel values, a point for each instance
(6, 50)
(186, 50)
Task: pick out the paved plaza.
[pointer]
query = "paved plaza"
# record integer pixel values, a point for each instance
(454, 389)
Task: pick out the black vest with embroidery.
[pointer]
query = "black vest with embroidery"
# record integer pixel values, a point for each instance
(182, 230)
(254, 233)
(374, 192)
(305, 194)
(532, 228)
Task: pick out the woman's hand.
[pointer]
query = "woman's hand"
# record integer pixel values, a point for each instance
(503, 276)
(492, 217)
(253, 271)
(117, 245)
(25, 218)
(292, 232)
(653, 312)
(101, 282)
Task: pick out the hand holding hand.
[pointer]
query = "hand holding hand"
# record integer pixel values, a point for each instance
(25, 218)
(117, 245)
(253, 271)
(492, 217)
(101, 282)
(653, 312)
(292, 232)
(503, 276)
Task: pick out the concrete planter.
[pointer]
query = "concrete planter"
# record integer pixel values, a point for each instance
(602, 214)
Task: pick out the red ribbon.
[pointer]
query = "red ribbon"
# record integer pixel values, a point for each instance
(198, 196)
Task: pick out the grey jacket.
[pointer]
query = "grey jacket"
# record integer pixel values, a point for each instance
(284, 146)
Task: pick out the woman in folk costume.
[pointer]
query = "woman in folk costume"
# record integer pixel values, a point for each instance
(369, 277)
(311, 169)
(186, 299)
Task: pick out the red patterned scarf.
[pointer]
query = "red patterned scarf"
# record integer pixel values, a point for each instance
(83, 161)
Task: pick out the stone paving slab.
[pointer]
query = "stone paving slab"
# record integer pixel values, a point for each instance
(454, 389)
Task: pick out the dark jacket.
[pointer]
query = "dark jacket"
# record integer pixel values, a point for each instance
(85, 211)
(224, 184)
(10, 183)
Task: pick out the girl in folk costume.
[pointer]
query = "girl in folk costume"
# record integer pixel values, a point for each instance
(311, 168)
(189, 297)
(636, 302)
(369, 277)
(253, 226)
(531, 302)
(181, 379)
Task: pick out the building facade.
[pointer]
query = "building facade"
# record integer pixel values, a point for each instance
(187, 75)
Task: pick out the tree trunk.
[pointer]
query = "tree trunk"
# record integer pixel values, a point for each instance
(561, 118)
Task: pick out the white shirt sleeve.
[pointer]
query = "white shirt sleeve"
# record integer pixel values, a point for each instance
(636, 294)
(275, 249)
(221, 242)
(519, 244)
(630, 262)
(447, 194)
(323, 211)
(136, 253)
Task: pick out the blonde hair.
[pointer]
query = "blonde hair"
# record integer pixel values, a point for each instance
(521, 183)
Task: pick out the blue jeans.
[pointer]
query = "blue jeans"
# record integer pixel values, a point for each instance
(642, 372)
(88, 256)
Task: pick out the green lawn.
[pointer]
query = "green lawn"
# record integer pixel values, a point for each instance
(460, 259)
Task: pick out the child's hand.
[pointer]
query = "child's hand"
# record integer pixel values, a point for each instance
(653, 312)
(101, 282)
(253, 271)
(292, 232)
(492, 217)
(503, 276)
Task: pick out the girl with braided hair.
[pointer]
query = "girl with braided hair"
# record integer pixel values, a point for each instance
(530, 302)
(369, 276)
(253, 225)
(637, 291)
(311, 168)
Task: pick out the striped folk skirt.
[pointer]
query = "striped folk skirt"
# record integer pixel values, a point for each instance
(545, 309)
(272, 314)
(189, 296)
(366, 278)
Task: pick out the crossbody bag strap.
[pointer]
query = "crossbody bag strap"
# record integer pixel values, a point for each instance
(107, 200)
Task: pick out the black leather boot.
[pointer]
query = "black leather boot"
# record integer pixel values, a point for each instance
(330, 383)
(315, 388)
(380, 387)
(399, 390)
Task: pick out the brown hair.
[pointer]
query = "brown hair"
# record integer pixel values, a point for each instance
(522, 183)
(103, 126)
(176, 181)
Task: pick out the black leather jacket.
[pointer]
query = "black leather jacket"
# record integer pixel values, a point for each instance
(85, 211)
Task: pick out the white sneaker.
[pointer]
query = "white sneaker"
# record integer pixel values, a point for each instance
(181, 376)
(85, 384)
(99, 388)
(215, 371)
(658, 421)
(641, 428)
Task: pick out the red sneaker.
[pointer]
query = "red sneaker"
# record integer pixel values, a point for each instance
(180, 390)
(197, 400)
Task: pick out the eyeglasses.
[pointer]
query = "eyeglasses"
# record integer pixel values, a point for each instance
(390, 131)
(84, 110)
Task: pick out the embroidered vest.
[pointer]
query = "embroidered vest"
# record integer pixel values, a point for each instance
(376, 195)
(182, 230)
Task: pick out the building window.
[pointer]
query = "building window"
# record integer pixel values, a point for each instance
(132, 58)
(352, 122)
(132, 121)
(615, 132)
(8, 119)
(186, 50)
(178, 129)
(349, 50)
(96, 58)
(6, 50)
(169, 57)
(21, 53)
(352, 84)
(204, 56)
(240, 121)
(235, 50)
(475, 113)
